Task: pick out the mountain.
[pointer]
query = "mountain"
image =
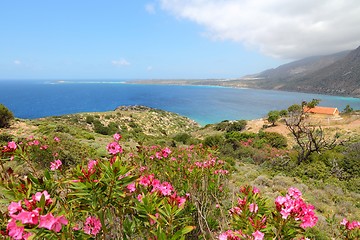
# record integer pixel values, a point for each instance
(337, 74)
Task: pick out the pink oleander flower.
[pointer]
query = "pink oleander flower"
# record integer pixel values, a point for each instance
(294, 192)
(37, 197)
(146, 180)
(255, 190)
(166, 152)
(92, 226)
(14, 207)
(253, 207)
(55, 165)
(139, 197)
(294, 206)
(12, 145)
(15, 231)
(50, 222)
(131, 187)
(350, 225)
(91, 166)
(258, 235)
(44, 147)
(28, 217)
(56, 139)
(117, 137)
(114, 148)
(158, 155)
(165, 188)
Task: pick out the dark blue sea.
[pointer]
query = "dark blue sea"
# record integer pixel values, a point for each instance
(204, 104)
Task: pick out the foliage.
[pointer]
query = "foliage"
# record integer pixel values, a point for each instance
(309, 137)
(348, 109)
(273, 116)
(5, 116)
(231, 126)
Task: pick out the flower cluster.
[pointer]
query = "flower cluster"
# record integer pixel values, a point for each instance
(92, 225)
(55, 165)
(350, 225)
(162, 188)
(293, 205)
(10, 147)
(28, 214)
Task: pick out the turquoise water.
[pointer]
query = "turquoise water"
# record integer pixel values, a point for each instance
(34, 99)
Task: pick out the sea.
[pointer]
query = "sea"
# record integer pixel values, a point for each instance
(32, 99)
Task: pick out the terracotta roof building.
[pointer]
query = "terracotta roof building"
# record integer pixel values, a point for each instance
(322, 110)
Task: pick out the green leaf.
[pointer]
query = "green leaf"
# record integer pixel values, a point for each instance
(179, 234)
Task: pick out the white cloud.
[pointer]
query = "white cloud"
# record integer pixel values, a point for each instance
(17, 62)
(149, 68)
(120, 63)
(150, 8)
(281, 28)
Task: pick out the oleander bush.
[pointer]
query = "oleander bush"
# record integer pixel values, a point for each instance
(144, 192)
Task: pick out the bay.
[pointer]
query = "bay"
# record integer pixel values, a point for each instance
(204, 104)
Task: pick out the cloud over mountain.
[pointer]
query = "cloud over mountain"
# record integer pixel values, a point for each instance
(289, 29)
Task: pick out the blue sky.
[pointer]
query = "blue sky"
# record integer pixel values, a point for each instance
(127, 39)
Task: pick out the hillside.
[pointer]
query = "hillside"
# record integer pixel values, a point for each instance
(336, 74)
(173, 148)
(340, 78)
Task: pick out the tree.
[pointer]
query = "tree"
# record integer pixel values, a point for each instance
(309, 137)
(273, 116)
(5, 116)
(348, 109)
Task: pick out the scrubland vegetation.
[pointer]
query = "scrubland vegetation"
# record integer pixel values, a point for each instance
(140, 173)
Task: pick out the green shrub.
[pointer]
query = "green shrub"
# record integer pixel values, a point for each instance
(275, 140)
(89, 119)
(5, 138)
(182, 137)
(5, 116)
(213, 141)
(231, 126)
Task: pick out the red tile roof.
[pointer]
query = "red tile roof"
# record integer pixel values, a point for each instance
(322, 110)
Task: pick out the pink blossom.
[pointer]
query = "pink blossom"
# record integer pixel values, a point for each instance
(165, 152)
(117, 137)
(344, 222)
(158, 155)
(59, 221)
(12, 145)
(92, 226)
(55, 165)
(44, 147)
(28, 217)
(255, 190)
(14, 207)
(131, 187)
(50, 222)
(36, 142)
(91, 166)
(253, 207)
(293, 205)
(139, 197)
(114, 148)
(258, 235)
(37, 197)
(15, 231)
(56, 139)
(146, 180)
(165, 188)
(294, 192)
